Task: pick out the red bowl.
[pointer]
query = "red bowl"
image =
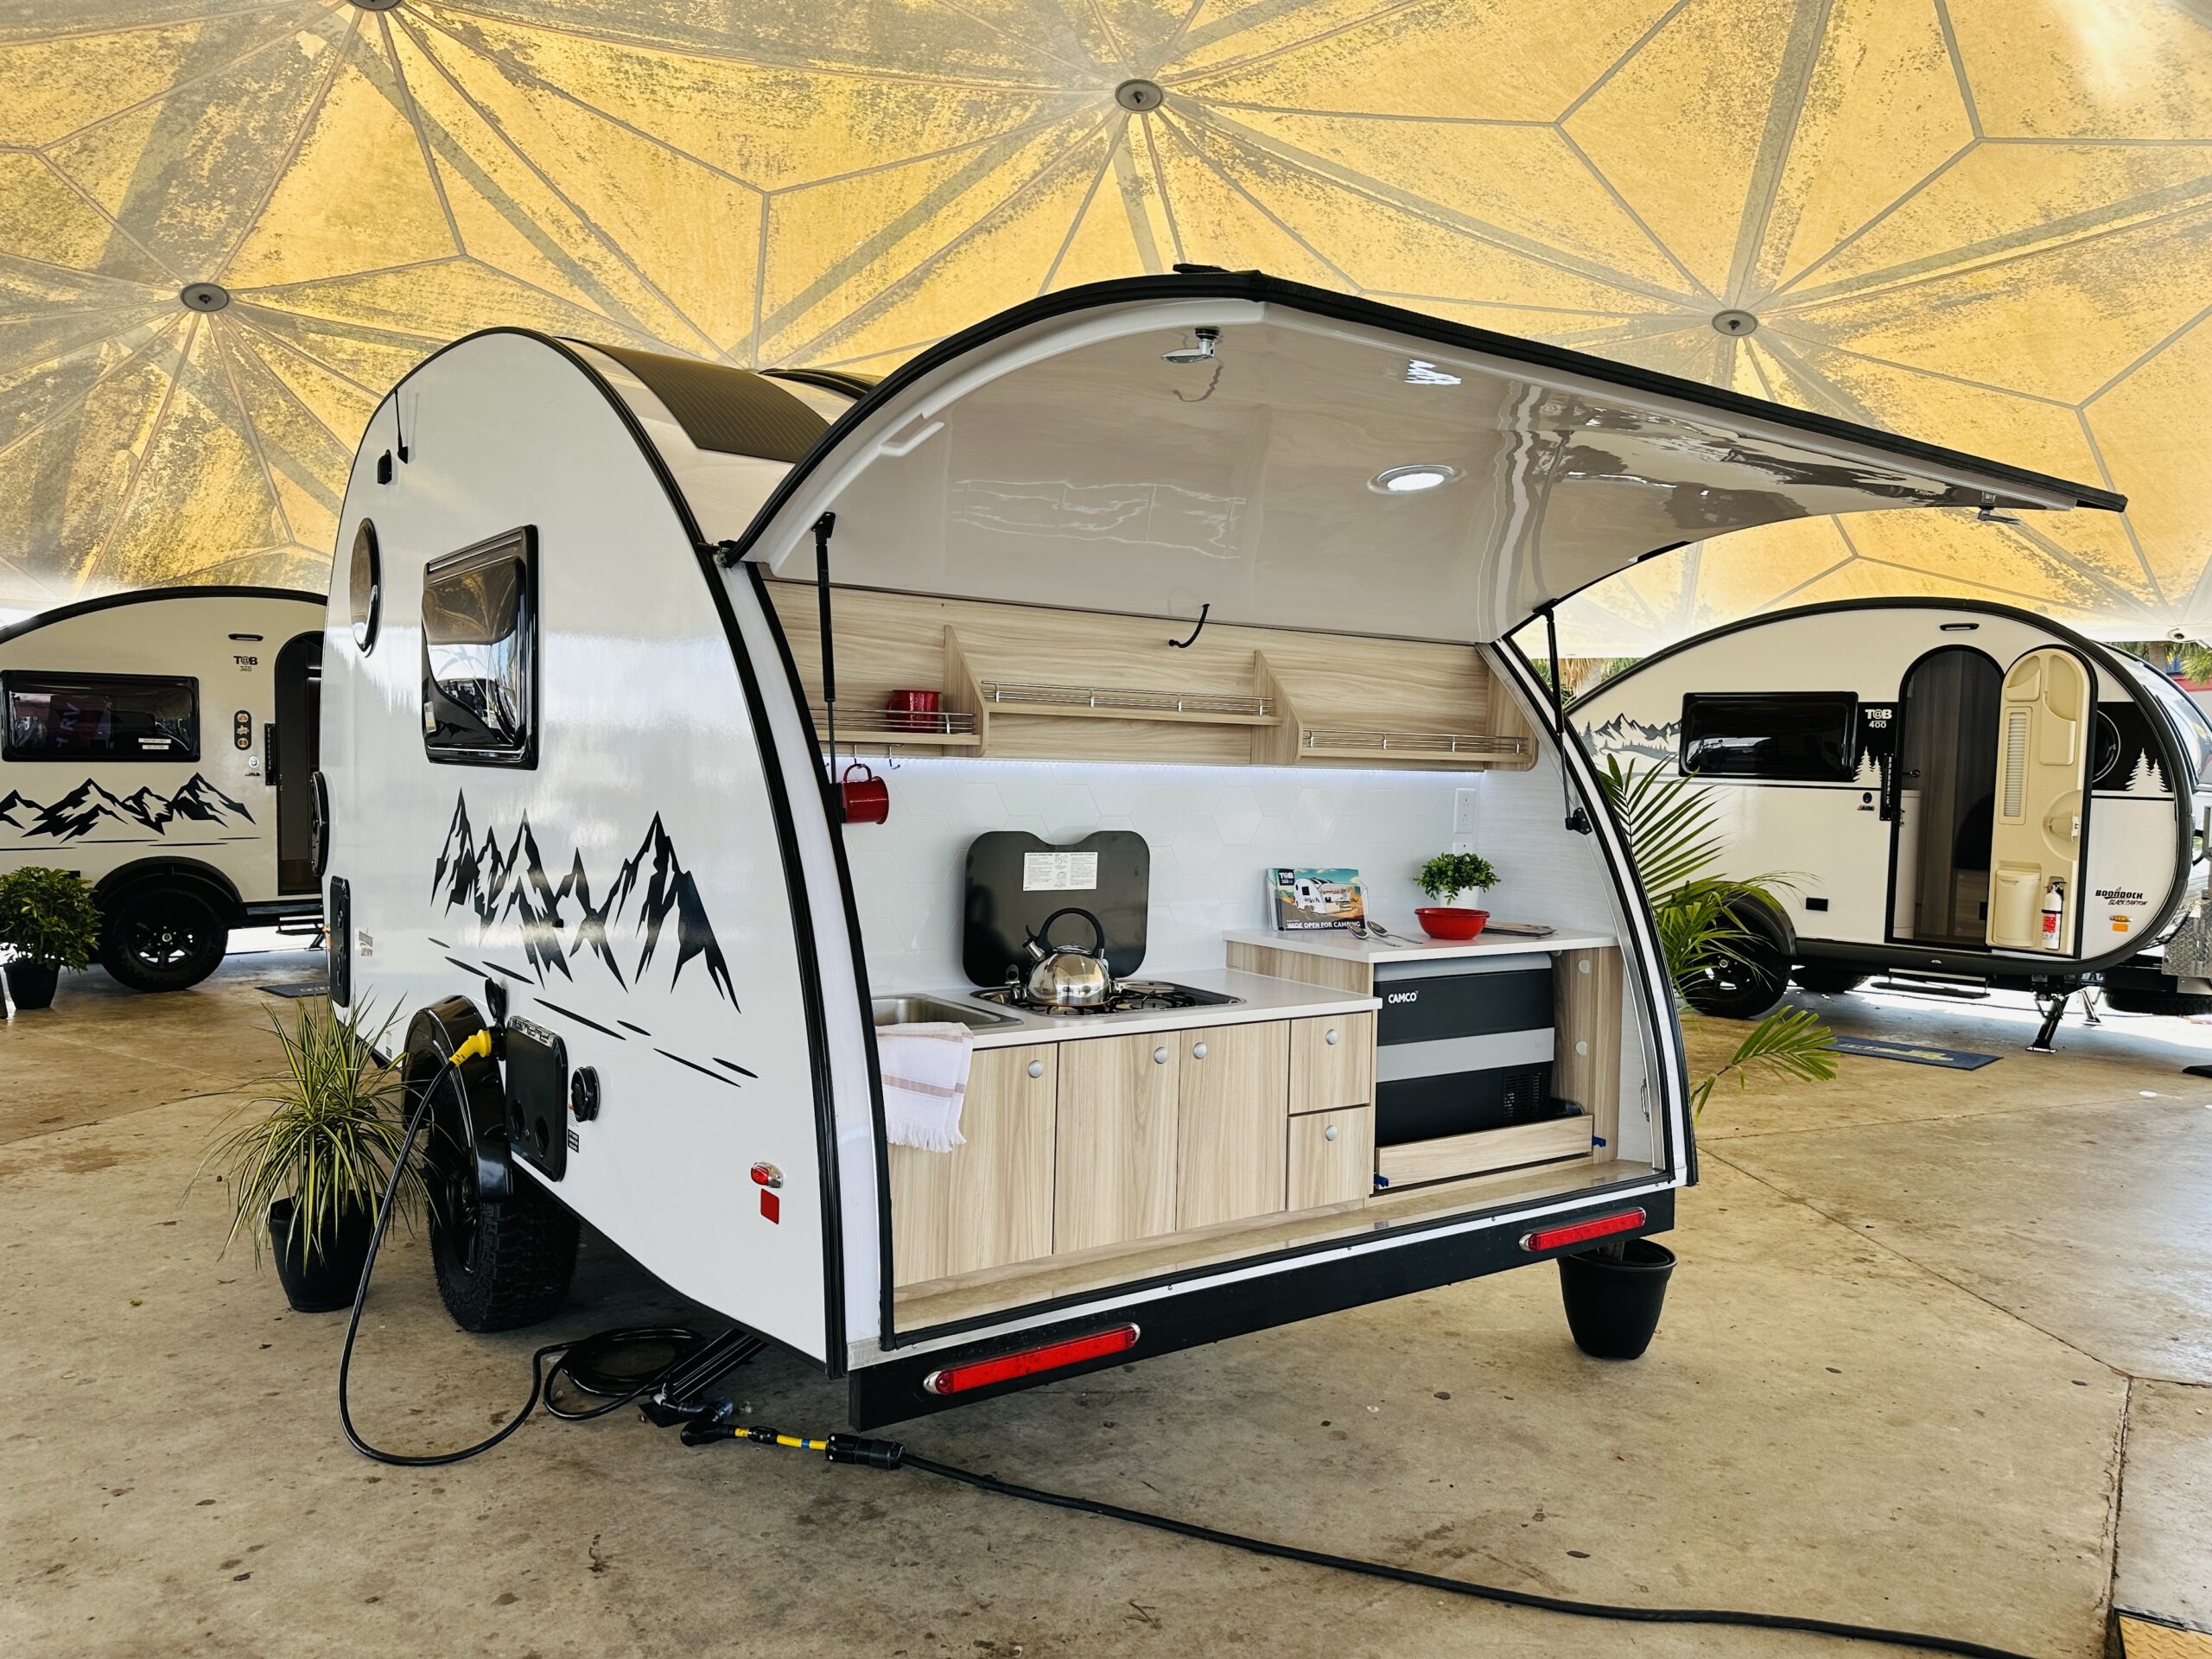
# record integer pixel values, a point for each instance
(1448, 922)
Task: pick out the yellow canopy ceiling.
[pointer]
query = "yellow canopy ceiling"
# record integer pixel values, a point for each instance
(1987, 223)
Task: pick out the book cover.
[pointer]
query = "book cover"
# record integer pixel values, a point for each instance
(1307, 899)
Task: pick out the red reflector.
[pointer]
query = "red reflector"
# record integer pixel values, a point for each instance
(1581, 1232)
(981, 1373)
(771, 1206)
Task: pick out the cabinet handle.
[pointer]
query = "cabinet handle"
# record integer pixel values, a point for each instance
(1329, 1133)
(1160, 1056)
(1330, 1038)
(1036, 1068)
(1197, 1051)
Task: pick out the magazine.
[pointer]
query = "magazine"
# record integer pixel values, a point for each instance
(1307, 899)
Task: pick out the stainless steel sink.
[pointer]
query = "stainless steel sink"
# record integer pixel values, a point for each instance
(930, 1010)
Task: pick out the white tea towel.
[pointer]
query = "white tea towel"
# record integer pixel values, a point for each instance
(924, 1079)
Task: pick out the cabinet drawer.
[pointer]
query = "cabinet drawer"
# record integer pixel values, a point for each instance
(1331, 1156)
(1332, 1063)
(988, 1202)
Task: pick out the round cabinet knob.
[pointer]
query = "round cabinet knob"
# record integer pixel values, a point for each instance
(1330, 1037)
(1329, 1133)
(1197, 1051)
(1036, 1068)
(1160, 1056)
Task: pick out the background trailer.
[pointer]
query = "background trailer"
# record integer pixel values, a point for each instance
(163, 745)
(1260, 535)
(1948, 788)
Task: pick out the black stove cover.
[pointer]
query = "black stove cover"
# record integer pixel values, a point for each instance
(1001, 913)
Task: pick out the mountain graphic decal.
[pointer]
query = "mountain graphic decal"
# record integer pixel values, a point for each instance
(650, 907)
(1626, 734)
(144, 812)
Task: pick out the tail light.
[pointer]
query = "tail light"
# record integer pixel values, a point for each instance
(981, 1373)
(1581, 1232)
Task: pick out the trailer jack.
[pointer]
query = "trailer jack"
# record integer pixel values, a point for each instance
(681, 1397)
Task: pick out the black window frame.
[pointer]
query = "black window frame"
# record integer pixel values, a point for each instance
(12, 679)
(1845, 772)
(518, 545)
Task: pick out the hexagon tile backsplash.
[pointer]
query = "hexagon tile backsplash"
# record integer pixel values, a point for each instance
(1213, 834)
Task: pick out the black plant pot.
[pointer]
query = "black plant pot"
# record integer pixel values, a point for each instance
(30, 984)
(1612, 1304)
(329, 1280)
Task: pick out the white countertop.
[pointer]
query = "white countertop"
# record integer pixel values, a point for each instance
(1259, 997)
(1330, 942)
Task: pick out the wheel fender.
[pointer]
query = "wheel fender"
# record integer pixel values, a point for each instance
(117, 885)
(436, 1031)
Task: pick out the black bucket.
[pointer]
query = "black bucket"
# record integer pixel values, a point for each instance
(1613, 1303)
(329, 1280)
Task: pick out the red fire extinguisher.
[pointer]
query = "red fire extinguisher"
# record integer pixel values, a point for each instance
(2053, 913)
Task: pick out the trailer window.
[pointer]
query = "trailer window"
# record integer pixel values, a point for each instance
(101, 717)
(1788, 736)
(479, 654)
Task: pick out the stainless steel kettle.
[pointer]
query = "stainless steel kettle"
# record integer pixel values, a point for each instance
(1066, 976)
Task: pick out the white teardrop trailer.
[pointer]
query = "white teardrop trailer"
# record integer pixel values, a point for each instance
(161, 745)
(1183, 555)
(1958, 793)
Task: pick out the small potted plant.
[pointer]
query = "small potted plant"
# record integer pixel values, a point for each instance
(311, 1168)
(1444, 878)
(49, 921)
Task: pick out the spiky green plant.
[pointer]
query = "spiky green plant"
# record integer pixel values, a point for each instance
(329, 1138)
(49, 917)
(1675, 842)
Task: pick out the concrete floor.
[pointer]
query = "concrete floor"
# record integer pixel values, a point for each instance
(1938, 1356)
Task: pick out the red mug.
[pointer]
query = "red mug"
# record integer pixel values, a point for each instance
(913, 711)
(868, 798)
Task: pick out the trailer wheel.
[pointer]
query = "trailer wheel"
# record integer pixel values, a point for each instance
(1749, 982)
(2131, 999)
(499, 1265)
(1825, 980)
(160, 937)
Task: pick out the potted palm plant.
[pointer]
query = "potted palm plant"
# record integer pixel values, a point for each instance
(49, 921)
(1444, 878)
(1614, 1292)
(309, 1169)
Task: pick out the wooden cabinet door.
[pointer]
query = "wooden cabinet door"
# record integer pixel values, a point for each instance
(1234, 1090)
(989, 1202)
(1114, 1162)
(1332, 1063)
(1331, 1156)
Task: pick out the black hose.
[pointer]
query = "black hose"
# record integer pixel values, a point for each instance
(1462, 1586)
(577, 1353)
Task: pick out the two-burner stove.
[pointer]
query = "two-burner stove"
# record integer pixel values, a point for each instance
(1128, 996)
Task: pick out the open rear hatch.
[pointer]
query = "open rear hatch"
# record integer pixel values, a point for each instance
(1098, 449)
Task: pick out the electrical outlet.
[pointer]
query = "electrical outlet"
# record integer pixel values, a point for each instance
(1462, 844)
(1463, 814)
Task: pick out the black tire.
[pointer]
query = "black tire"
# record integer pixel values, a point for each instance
(500, 1265)
(1827, 980)
(2137, 1000)
(1750, 983)
(160, 937)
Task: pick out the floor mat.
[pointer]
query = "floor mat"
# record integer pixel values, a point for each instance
(1956, 1059)
(291, 990)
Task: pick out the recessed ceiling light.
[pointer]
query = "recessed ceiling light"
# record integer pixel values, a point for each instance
(204, 296)
(1421, 373)
(1140, 97)
(1412, 477)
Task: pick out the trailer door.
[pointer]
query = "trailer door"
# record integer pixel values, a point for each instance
(2043, 762)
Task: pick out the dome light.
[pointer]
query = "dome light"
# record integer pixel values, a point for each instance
(1412, 478)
